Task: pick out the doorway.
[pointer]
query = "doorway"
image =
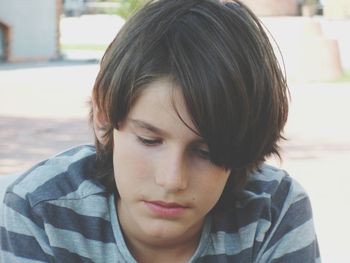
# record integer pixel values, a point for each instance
(3, 42)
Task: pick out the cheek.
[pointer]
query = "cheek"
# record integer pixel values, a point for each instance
(129, 161)
(211, 188)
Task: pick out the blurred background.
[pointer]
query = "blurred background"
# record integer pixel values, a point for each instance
(49, 57)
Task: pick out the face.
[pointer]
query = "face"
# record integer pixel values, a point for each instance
(165, 180)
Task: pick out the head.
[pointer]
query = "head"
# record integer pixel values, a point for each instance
(217, 57)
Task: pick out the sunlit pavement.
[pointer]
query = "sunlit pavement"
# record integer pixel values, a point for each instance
(43, 110)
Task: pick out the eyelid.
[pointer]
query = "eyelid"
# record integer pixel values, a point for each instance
(148, 141)
(202, 152)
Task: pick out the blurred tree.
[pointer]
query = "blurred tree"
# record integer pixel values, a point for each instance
(128, 7)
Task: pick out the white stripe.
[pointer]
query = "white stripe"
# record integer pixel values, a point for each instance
(9, 257)
(94, 205)
(295, 240)
(77, 243)
(297, 192)
(39, 175)
(86, 188)
(234, 243)
(124, 254)
(14, 222)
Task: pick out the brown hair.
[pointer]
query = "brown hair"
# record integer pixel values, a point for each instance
(221, 58)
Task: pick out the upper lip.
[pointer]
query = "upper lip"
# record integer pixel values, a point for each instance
(167, 204)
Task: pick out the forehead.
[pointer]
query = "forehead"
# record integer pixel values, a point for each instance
(161, 102)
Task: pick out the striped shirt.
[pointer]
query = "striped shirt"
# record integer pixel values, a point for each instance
(55, 212)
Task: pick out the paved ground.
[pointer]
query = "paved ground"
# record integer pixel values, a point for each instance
(43, 110)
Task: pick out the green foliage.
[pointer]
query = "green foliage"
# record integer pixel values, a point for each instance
(310, 2)
(345, 77)
(128, 7)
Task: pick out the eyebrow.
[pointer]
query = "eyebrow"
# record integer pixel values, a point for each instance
(148, 126)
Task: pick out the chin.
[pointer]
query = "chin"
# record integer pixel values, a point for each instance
(163, 229)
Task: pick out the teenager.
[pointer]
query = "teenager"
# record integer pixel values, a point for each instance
(188, 104)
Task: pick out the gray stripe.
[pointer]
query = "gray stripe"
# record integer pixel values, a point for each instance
(86, 188)
(22, 245)
(268, 173)
(307, 254)
(298, 213)
(92, 206)
(23, 225)
(68, 219)
(295, 240)
(124, 254)
(47, 170)
(234, 243)
(77, 243)
(251, 198)
(9, 257)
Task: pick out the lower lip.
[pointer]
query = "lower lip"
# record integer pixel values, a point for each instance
(163, 211)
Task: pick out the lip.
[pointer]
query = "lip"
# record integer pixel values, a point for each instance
(165, 209)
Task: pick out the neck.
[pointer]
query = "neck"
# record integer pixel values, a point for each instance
(150, 253)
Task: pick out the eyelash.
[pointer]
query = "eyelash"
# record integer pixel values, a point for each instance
(149, 142)
(204, 154)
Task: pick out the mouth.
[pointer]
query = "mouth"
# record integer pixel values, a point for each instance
(165, 209)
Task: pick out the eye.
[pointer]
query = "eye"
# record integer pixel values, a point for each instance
(202, 153)
(149, 142)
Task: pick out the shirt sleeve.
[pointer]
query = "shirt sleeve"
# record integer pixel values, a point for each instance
(292, 237)
(22, 235)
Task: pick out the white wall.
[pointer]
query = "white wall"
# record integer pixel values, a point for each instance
(33, 28)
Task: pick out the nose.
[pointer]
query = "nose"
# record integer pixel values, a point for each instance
(174, 173)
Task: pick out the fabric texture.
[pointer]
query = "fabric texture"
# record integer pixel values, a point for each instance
(56, 213)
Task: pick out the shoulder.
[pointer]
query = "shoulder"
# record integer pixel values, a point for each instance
(268, 193)
(272, 187)
(276, 195)
(58, 210)
(65, 175)
(267, 220)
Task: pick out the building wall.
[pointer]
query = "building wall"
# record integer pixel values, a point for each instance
(33, 28)
(273, 7)
(337, 9)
